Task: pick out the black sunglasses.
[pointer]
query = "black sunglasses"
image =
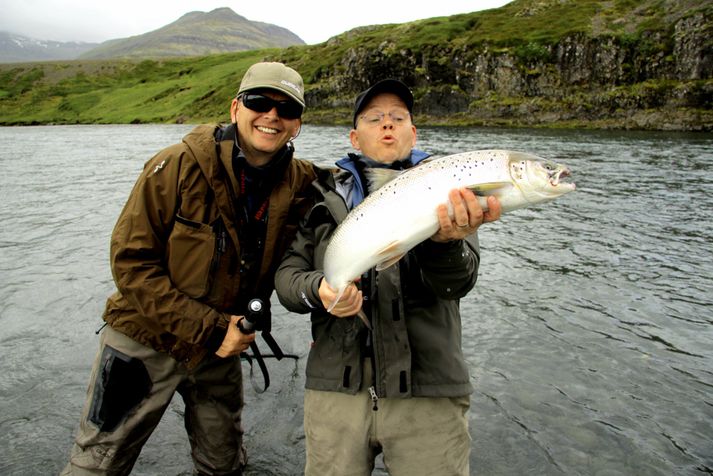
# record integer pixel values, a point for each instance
(285, 109)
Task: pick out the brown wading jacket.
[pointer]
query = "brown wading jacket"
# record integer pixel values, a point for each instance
(175, 251)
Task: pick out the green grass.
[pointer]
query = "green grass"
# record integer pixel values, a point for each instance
(200, 89)
(192, 89)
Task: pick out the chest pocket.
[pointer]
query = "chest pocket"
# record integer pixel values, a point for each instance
(191, 251)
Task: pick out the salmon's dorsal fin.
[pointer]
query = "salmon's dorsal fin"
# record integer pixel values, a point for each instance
(489, 188)
(378, 177)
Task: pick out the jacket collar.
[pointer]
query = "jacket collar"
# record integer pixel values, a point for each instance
(264, 177)
(355, 163)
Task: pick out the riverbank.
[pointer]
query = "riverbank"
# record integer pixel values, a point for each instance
(588, 64)
(671, 120)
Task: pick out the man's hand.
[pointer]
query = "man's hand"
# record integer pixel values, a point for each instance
(235, 341)
(467, 215)
(349, 304)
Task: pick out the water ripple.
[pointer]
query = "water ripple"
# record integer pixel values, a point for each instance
(588, 334)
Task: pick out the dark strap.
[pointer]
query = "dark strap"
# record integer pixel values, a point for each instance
(263, 368)
(277, 352)
(258, 357)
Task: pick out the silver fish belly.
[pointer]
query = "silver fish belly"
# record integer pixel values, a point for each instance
(402, 212)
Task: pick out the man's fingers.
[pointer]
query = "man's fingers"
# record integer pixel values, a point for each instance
(460, 211)
(352, 302)
(444, 221)
(472, 207)
(494, 210)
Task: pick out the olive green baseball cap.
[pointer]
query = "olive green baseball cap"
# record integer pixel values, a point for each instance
(276, 76)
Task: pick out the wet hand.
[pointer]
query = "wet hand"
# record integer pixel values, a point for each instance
(468, 215)
(234, 341)
(348, 305)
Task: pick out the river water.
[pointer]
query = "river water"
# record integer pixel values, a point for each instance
(589, 334)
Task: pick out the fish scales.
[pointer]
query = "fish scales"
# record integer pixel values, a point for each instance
(402, 213)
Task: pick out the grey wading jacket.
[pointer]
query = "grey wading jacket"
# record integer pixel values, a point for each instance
(416, 341)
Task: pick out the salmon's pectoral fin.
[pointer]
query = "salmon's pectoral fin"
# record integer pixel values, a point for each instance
(390, 262)
(389, 255)
(489, 188)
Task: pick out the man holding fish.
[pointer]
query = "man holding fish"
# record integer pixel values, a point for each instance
(394, 381)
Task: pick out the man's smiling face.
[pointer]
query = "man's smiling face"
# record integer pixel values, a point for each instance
(262, 134)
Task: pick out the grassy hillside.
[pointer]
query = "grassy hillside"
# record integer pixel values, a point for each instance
(434, 55)
(105, 92)
(522, 26)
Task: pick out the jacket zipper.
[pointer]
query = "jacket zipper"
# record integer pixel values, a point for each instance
(220, 245)
(373, 285)
(374, 398)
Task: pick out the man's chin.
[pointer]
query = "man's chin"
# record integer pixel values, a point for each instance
(386, 159)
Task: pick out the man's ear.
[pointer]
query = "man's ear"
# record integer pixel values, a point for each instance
(234, 105)
(354, 138)
(297, 130)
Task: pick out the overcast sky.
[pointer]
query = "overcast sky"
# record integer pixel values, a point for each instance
(95, 21)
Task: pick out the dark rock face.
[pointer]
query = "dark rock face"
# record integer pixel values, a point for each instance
(693, 48)
(655, 81)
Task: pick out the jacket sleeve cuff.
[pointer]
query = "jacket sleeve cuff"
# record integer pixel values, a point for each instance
(216, 337)
(430, 248)
(314, 301)
(449, 257)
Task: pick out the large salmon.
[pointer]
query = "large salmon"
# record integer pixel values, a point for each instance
(402, 212)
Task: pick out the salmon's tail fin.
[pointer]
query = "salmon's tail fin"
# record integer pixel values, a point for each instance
(360, 314)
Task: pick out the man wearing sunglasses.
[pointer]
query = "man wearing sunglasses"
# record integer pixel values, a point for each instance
(199, 237)
(402, 387)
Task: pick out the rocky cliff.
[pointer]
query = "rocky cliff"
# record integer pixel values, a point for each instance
(647, 67)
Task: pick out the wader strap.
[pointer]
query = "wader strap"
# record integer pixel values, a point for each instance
(276, 353)
(273, 345)
(263, 368)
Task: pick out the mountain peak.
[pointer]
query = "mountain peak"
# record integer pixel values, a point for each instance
(15, 48)
(199, 33)
(221, 12)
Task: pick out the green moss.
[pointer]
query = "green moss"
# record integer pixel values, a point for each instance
(532, 52)
(201, 88)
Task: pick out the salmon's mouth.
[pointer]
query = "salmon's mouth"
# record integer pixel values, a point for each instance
(562, 178)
